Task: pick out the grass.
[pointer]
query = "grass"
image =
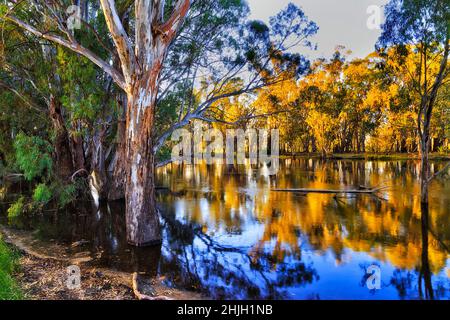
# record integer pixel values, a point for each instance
(9, 289)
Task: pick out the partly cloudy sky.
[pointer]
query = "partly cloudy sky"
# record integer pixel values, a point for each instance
(341, 22)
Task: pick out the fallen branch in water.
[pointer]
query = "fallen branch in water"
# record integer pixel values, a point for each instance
(330, 191)
(141, 296)
(440, 172)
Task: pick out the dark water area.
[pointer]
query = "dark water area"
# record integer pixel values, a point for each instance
(227, 235)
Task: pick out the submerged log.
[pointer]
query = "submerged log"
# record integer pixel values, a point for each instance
(330, 191)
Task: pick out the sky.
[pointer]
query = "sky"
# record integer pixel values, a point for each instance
(341, 22)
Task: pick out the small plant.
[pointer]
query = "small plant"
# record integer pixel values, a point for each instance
(42, 194)
(16, 209)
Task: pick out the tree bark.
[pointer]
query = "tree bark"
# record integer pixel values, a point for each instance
(142, 218)
(424, 167)
(78, 158)
(141, 69)
(63, 154)
(424, 120)
(117, 179)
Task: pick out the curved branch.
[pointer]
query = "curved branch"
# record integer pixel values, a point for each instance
(75, 47)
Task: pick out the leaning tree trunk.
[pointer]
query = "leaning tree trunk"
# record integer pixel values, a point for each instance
(142, 218)
(424, 121)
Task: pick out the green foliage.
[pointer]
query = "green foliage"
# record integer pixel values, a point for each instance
(64, 194)
(16, 209)
(83, 97)
(258, 27)
(164, 154)
(67, 194)
(9, 290)
(33, 156)
(3, 9)
(42, 194)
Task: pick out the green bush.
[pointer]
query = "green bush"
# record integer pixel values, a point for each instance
(16, 209)
(67, 194)
(42, 194)
(33, 156)
(9, 290)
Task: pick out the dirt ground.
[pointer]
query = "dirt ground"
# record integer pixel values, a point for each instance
(43, 275)
(43, 279)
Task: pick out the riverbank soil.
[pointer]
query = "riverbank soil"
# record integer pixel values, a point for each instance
(43, 279)
(43, 275)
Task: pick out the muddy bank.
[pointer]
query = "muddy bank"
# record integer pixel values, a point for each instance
(43, 274)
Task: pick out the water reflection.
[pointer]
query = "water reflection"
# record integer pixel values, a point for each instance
(227, 235)
(332, 237)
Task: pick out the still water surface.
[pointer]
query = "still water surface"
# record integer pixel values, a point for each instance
(227, 235)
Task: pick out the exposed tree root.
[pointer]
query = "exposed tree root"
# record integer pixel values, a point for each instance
(142, 296)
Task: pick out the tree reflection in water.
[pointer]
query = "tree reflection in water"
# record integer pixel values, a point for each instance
(418, 284)
(222, 271)
(227, 235)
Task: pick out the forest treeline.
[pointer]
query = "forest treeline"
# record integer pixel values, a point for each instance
(97, 104)
(362, 105)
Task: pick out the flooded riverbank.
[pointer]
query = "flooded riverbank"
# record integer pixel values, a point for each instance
(228, 236)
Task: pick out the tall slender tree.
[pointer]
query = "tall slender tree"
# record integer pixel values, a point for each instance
(421, 26)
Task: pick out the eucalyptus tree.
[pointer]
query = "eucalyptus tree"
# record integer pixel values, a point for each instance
(24, 102)
(421, 27)
(161, 45)
(67, 92)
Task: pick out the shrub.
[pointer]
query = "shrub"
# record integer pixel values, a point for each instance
(67, 195)
(16, 209)
(42, 194)
(33, 156)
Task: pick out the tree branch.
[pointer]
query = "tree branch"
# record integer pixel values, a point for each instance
(440, 172)
(76, 47)
(120, 38)
(170, 27)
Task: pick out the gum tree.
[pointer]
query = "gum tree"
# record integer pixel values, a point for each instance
(140, 67)
(160, 45)
(421, 28)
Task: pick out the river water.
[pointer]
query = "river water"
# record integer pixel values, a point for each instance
(229, 236)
